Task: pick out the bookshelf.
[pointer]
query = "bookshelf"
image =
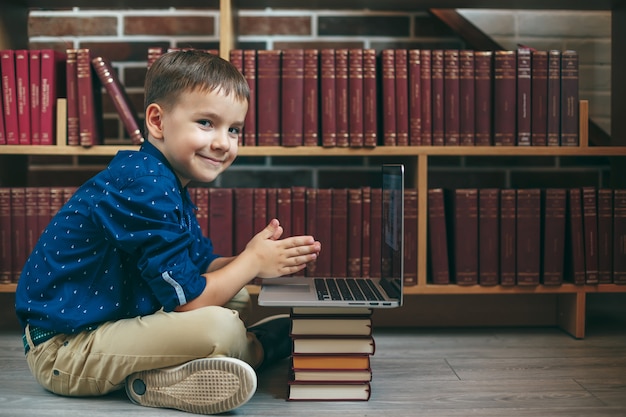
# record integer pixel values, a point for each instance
(567, 300)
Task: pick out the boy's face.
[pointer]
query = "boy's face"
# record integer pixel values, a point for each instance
(199, 134)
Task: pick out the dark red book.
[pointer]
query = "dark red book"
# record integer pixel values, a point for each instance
(619, 236)
(504, 98)
(452, 123)
(539, 98)
(376, 233)
(355, 231)
(439, 269)
(311, 100)
(311, 224)
(117, 93)
(53, 85)
(569, 98)
(73, 130)
(324, 234)
(464, 227)
(366, 213)
(9, 96)
(554, 209)
(3, 138)
(605, 235)
(89, 100)
(328, 98)
(488, 236)
(250, 72)
(426, 101)
(524, 69)
(415, 98)
(410, 236)
(342, 96)
(339, 226)
(235, 56)
(437, 84)
(402, 97)
(244, 215)
(508, 204)
(388, 99)
(6, 233)
(268, 97)
(202, 202)
(34, 82)
(370, 99)
(467, 97)
(31, 232)
(283, 210)
(292, 97)
(528, 236)
(355, 98)
(590, 230)
(298, 214)
(272, 197)
(575, 239)
(554, 98)
(483, 63)
(43, 209)
(22, 89)
(260, 209)
(18, 231)
(221, 220)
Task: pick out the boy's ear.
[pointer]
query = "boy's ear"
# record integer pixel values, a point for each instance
(154, 120)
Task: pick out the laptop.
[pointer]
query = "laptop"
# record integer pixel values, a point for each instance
(383, 292)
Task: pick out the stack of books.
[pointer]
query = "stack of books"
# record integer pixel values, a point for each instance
(331, 353)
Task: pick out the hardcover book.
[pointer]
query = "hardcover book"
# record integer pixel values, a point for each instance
(451, 103)
(355, 98)
(311, 224)
(333, 345)
(283, 210)
(73, 129)
(9, 96)
(89, 100)
(53, 85)
(339, 227)
(370, 99)
(221, 220)
(504, 98)
(554, 208)
(34, 78)
(402, 96)
(575, 239)
(314, 391)
(524, 97)
(376, 233)
(331, 326)
(437, 238)
(330, 362)
(488, 235)
(605, 236)
(292, 97)
(569, 98)
(508, 204)
(311, 100)
(554, 98)
(528, 236)
(415, 98)
(341, 94)
(366, 212)
(324, 234)
(410, 236)
(388, 98)
(539, 98)
(590, 230)
(464, 227)
(328, 98)
(355, 231)
(6, 234)
(331, 375)
(483, 100)
(426, 100)
(437, 85)
(22, 89)
(244, 213)
(619, 236)
(268, 97)
(467, 111)
(250, 72)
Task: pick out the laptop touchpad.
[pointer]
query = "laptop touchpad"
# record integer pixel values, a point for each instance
(290, 288)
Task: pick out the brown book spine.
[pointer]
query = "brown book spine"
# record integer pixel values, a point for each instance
(328, 97)
(366, 213)
(388, 70)
(260, 209)
(32, 228)
(298, 214)
(268, 97)
(43, 208)
(121, 101)
(569, 98)
(53, 85)
(34, 80)
(235, 56)
(508, 198)
(283, 210)
(292, 96)
(18, 231)
(528, 236)
(575, 238)
(73, 131)
(355, 97)
(342, 96)
(22, 90)
(244, 213)
(311, 101)
(439, 269)
(415, 98)
(554, 98)
(221, 220)
(272, 197)
(89, 102)
(370, 99)
(376, 233)
(3, 138)
(339, 219)
(467, 97)
(488, 235)
(426, 101)
(9, 96)
(451, 104)
(504, 102)
(310, 197)
(402, 97)
(355, 232)
(619, 236)
(554, 209)
(539, 98)
(437, 84)
(6, 235)
(250, 72)
(323, 214)
(523, 97)
(483, 61)
(465, 235)
(410, 236)
(590, 230)
(605, 236)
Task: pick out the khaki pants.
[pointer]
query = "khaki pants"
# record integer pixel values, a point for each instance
(97, 362)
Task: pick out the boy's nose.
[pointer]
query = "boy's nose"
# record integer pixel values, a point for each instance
(221, 140)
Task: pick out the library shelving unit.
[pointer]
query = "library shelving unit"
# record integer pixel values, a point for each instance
(425, 304)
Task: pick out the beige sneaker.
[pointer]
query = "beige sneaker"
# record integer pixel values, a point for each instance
(201, 386)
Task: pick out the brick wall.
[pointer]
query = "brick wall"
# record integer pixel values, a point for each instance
(123, 35)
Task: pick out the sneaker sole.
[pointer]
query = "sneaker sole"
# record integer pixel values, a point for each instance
(202, 386)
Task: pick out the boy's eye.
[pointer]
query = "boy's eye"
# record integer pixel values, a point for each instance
(235, 130)
(206, 123)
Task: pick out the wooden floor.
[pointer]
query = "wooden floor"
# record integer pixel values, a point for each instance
(417, 372)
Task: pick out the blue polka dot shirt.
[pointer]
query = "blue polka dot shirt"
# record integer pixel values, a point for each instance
(126, 244)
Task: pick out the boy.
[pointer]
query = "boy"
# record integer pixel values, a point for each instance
(122, 289)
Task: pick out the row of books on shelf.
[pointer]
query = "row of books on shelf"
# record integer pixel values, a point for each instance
(331, 351)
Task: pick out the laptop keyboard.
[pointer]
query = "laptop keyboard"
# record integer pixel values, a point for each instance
(348, 289)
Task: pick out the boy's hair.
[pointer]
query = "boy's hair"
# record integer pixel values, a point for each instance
(177, 72)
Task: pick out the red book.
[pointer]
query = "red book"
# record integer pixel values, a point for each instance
(439, 269)
(355, 232)
(244, 215)
(292, 97)
(590, 230)
(89, 100)
(507, 236)
(311, 101)
(569, 98)
(523, 96)
(202, 202)
(324, 235)
(328, 98)
(426, 101)
(18, 231)
(554, 207)
(43, 209)
(410, 236)
(73, 130)
(3, 138)
(483, 100)
(504, 101)
(310, 201)
(249, 71)
(528, 236)
(539, 98)
(339, 226)
(438, 100)
(388, 90)
(415, 98)
(488, 235)
(370, 99)
(452, 123)
(9, 96)
(283, 210)
(22, 84)
(402, 97)
(6, 233)
(355, 98)
(31, 232)
(464, 217)
(123, 105)
(235, 56)
(466, 98)
(575, 239)
(366, 238)
(260, 209)
(268, 97)
(605, 236)
(341, 94)
(619, 236)
(298, 214)
(554, 98)
(34, 80)
(53, 86)
(272, 197)
(221, 220)
(376, 232)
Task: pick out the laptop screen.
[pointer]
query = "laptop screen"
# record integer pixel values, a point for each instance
(393, 229)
